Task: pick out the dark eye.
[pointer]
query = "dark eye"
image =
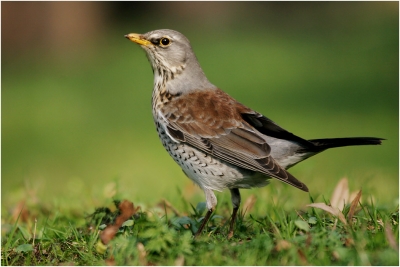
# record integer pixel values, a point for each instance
(164, 41)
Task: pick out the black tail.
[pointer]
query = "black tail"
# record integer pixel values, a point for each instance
(323, 144)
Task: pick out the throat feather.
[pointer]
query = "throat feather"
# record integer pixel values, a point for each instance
(161, 96)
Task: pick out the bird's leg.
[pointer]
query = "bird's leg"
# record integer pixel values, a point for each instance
(211, 201)
(205, 220)
(235, 198)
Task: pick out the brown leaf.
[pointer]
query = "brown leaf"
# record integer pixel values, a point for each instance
(353, 207)
(353, 195)
(126, 209)
(302, 257)
(341, 194)
(110, 261)
(390, 237)
(282, 245)
(142, 254)
(334, 211)
(308, 240)
(20, 212)
(68, 263)
(335, 255)
(108, 234)
(349, 242)
(180, 261)
(334, 225)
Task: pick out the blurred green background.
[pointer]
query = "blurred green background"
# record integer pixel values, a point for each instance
(75, 102)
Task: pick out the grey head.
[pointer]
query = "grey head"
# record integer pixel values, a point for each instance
(173, 61)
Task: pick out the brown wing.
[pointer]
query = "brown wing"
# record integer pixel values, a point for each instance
(212, 122)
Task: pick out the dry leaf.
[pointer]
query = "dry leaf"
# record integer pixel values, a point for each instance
(108, 234)
(334, 211)
(353, 207)
(349, 242)
(390, 237)
(67, 264)
(142, 254)
(340, 197)
(110, 261)
(335, 255)
(353, 195)
(334, 225)
(180, 261)
(302, 257)
(282, 245)
(20, 212)
(308, 240)
(126, 209)
(341, 194)
(301, 217)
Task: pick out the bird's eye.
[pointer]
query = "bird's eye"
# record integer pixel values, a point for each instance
(164, 41)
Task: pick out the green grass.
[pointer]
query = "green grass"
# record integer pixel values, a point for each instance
(77, 132)
(157, 236)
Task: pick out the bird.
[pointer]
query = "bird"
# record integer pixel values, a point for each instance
(218, 142)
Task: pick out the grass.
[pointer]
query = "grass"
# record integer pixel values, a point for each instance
(77, 133)
(162, 235)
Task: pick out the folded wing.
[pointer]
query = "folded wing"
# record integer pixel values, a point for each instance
(213, 122)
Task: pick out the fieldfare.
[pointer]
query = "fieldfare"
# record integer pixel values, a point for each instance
(218, 142)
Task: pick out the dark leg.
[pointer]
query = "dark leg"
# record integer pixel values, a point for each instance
(203, 224)
(235, 197)
(211, 201)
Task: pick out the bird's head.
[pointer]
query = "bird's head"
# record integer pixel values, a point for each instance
(172, 58)
(167, 49)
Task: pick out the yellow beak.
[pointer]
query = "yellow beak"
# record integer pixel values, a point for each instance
(134, 37)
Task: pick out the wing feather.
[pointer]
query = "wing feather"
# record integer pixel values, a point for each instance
(213, 123)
